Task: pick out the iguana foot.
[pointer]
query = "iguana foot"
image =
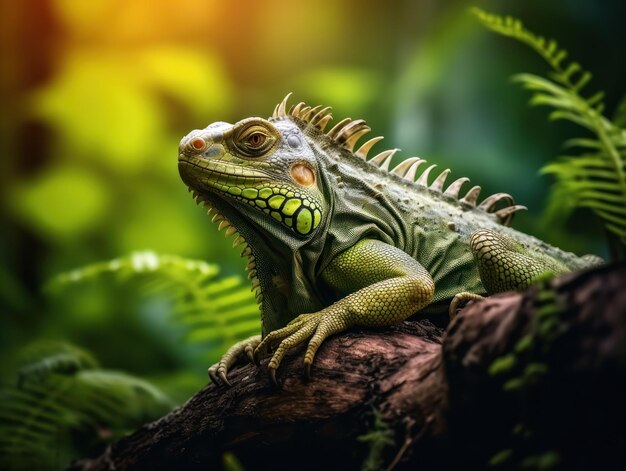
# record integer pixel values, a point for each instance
(314, 326)
(381, 285)
(460, 300)
(219, 371)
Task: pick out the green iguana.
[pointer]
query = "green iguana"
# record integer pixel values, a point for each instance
(335, 240)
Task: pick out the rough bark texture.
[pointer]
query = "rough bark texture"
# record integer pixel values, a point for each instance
(536, 379)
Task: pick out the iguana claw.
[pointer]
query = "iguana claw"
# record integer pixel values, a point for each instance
(219, 371)
(223, 377)
(273, 376)
(250, 354)
(460, 300)
(314, 326)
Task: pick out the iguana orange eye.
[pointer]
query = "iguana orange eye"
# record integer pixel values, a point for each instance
(256, 139)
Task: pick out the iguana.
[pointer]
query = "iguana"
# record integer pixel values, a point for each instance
(335, 240)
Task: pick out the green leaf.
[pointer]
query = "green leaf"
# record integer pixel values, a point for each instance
(515, 384)
(502, 364)
(619, 118)
(501, 457)
(524, 344)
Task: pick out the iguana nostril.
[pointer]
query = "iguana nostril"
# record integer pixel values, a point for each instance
(198, 144)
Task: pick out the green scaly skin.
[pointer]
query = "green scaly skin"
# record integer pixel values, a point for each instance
(334, 240)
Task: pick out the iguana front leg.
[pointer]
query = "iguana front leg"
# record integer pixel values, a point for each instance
(380, 285)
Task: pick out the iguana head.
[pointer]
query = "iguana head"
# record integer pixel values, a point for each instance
(262, 174)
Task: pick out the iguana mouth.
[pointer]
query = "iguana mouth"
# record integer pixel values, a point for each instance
(212, 173)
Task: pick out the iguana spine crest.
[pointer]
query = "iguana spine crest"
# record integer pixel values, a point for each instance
(347, 132)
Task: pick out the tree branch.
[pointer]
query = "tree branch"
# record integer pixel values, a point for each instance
(530, 379)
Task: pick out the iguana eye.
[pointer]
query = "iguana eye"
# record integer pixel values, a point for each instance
(256, 139)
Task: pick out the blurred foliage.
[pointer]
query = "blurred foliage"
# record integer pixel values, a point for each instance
(214, 312)
(379, 438)
(97, 94)
(595, 179)
(62, 404)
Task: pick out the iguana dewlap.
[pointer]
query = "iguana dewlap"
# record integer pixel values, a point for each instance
(336, 240)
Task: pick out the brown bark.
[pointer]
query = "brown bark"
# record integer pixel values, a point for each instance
(535, 379)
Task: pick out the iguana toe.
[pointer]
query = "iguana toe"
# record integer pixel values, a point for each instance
(219, 371)
(273, 375)
(222, 375)
(460, 300)
(250, 353)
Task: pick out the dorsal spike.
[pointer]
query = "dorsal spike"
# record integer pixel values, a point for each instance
(437, 185)
(471, 196)
(312, 112)
(337, 127)
(365, 148)
(410, 173)
(348, 129)
(455, 187)
(320, 114)
(322, 123)
(505, 215)
(402, 168)
(383, 159)
(490, 202)
(352, 140)
(350, 134)
(281, 111)
(295, 111)
(423, 179)
(303, 111)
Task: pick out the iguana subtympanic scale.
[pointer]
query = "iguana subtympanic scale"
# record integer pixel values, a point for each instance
(335, 239)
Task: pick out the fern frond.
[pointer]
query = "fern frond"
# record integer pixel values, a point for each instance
(594, 180)
(47, 357)
(49, 405)
(619, 118)
(222, 310)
